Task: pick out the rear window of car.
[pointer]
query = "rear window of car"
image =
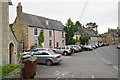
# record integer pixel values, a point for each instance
(67, 47)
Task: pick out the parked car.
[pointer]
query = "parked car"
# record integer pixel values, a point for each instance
(93, 46)
(75, 48)
(45, 57)
(64, 50)
(81, 47)
(107, 44)
(35, 49)
(104, 44)
(118, 46)
(87, 47)
(96, 44)
(100, 44)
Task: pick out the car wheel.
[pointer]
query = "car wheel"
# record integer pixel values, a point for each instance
(54, 51)
(65, 53)
(49, 63)
(87, 49)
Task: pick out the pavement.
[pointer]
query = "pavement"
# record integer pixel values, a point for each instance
(99, 63)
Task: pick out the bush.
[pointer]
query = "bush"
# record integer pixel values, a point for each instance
(33, 46)
(7, 69)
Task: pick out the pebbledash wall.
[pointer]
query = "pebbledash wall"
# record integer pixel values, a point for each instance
(56, 37)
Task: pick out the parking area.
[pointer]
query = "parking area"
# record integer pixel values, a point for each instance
(98, 63)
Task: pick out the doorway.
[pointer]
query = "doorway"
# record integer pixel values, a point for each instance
(11, 51)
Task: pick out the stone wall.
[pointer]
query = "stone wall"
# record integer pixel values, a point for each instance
(6, 37)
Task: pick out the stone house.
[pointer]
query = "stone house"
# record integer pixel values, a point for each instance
(103, 37)
(93, 35)
(113, 36)
(27, 27)
(8, 42)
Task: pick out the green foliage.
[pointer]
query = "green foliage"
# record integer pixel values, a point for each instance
(19, 56)
(84, 38)
(74, 41)
(106, 33)
(41, 38)
(70, 31)
(78, 25)
(92, 25)
(33, 46)
(7, 69)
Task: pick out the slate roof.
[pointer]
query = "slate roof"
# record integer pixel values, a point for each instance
(40, 22)
(91, 33)
(77, 33)
(80, 31)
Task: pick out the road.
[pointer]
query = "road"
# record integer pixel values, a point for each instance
(99, 63)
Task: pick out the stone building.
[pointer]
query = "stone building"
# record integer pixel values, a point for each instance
(27, 27)
(113, 37)
(8, 42)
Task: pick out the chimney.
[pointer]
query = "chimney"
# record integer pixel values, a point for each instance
(83, 28)
(109, 30)
(96, 30)
(19, 10)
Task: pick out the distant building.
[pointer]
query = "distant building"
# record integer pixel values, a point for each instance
(27, 27)
(8, 42)
(113, 36)
(93, 35)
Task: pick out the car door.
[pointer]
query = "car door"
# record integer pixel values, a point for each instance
(62, 49)
(38, 56)
(57, 50)
(45, 56)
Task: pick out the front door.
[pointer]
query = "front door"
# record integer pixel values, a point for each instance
(57, 44)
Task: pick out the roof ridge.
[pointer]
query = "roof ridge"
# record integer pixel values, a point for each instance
(41, 16)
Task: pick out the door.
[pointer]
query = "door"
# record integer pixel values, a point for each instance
(11, 48)
(57, 44)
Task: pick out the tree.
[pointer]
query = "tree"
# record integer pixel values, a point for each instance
(70, 31)
(91, 25)
(84, 38)
(78, 25)
(41, 38)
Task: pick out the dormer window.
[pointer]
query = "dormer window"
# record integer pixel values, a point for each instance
(47, 23)
(35, 31)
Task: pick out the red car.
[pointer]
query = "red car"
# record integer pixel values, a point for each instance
(107, 44)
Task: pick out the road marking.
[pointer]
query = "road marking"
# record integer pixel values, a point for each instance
(115, 67)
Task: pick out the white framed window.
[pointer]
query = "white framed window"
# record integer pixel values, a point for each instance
(47, 23)
(63, 34)
(50, 43)
(36, 42)
(50, 33)
(35, 31)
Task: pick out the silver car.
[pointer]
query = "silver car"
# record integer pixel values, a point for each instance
(64, 50)
(45, 57)
(75, 48)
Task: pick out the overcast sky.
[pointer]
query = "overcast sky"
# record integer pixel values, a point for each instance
(103, 12)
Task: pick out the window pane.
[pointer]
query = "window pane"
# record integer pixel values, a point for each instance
(35, 31)
(50, 33)
(50, 42)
